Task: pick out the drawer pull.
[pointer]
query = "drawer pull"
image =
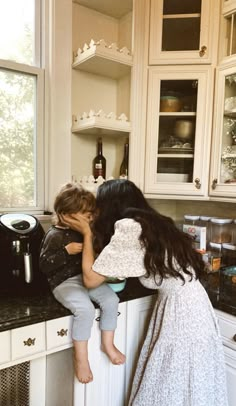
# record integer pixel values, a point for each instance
(62, 332)
(29, 342)
(234, 337)
(98, 318)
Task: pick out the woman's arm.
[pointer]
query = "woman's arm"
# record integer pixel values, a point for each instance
(91, 278)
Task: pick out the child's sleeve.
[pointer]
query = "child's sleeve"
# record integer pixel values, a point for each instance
(123, 257)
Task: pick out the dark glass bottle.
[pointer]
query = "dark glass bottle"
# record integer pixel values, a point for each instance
(124, 168)
(99, 162)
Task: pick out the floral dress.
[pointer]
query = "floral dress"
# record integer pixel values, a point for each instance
(181, 362)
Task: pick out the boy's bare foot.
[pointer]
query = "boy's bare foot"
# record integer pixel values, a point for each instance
(115, 356)
(83, 371)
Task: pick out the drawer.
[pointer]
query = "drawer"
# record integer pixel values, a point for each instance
(228, 331)
(29, 340)
(59, 332)
(5, 347)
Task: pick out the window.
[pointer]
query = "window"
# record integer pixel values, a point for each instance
(21, 106)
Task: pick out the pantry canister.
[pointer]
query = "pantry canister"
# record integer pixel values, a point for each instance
(228, 254)
(204, 221)
(190, 219)
(228, 286)
(221, 230)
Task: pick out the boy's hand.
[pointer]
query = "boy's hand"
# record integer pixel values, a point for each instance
(74, 248)
(77, 222)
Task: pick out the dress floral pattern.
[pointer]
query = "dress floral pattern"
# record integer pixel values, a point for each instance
(182, 361)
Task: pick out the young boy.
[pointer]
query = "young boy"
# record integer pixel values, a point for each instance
(61, 261)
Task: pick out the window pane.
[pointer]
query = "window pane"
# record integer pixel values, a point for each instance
(17, 30)
(17, 139)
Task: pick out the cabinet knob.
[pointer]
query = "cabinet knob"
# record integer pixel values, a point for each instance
(234, 337)
(62, 332)
(214, 183)
(197, 183)
(203, 50)
(29, 342)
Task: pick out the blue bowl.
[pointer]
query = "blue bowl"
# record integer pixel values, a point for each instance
(116, 285)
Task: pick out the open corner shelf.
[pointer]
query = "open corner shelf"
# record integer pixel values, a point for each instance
(100, 59)
(101, 126)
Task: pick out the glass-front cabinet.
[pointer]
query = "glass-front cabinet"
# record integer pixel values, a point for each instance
(227, 49)
(181, 31)
(178, 130)
(223, 170)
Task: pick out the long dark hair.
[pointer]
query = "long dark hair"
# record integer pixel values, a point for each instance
(168, 250)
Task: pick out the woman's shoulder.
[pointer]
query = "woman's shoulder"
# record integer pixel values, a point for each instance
(127, 224)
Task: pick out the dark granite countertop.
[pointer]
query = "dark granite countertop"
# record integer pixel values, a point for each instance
(22, 311)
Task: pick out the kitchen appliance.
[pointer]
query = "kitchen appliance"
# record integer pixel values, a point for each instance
(20, 239)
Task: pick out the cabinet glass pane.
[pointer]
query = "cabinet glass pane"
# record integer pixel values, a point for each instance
(228, 147)
(177, 120)
(182, 7)
(230, 39)
(181, 25)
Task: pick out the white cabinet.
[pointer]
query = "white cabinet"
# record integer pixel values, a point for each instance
(108, 386)
(5, 347)
(138, 316)
(227, 324)
(230, 361)
(178, 130)
(58, 332)
(27, 341)
(101, 82)
(183, 32)
(223, 157)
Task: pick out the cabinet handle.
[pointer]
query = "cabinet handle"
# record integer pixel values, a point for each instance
(203, 50)
(234, 337)
(62, 332)
(98, 318)
(214, 183)
(197, 183)
(29, 342)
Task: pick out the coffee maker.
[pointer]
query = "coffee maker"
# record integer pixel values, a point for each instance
(20, 240)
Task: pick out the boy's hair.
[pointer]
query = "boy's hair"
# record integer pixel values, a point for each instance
(73, 198)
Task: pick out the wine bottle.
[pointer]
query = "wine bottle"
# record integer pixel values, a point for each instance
(125, 162)
(99, 162)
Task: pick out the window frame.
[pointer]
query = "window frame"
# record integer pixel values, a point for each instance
(37, 70)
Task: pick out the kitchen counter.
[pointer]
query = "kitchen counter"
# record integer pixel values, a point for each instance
(22, 311)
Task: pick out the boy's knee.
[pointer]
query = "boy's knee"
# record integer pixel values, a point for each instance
(85, 312)
(110, 301)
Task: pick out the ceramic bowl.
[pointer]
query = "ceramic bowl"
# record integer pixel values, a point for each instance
(117, 285)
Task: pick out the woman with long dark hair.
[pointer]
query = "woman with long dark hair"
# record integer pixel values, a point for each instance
(182, 361)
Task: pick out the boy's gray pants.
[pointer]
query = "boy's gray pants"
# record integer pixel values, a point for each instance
(73, 295)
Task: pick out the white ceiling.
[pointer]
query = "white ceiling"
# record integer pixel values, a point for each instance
(113, 8)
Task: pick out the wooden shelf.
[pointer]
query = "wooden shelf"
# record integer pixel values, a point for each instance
(100, 125)
(178, 113)
(102, 59)
(175, 156)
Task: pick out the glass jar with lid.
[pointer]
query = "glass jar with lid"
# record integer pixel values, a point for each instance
(204, 221)
(221, 230)
(228, 254)
(191, 219)
(234, 232)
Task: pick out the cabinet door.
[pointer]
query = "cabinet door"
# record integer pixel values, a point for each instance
(181, 31)
(108, 386)
(223, 166)
(178, 130)
(230, 361)
(138, 315)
